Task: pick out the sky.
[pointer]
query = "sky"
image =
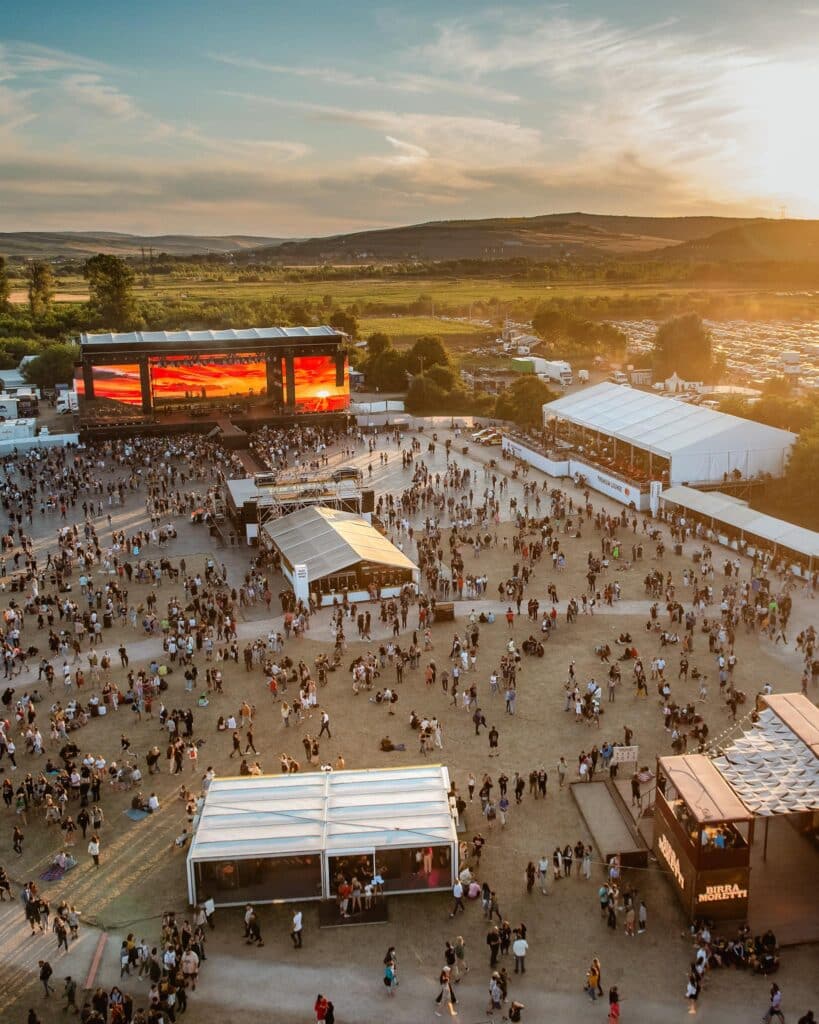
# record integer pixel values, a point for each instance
(297, 119)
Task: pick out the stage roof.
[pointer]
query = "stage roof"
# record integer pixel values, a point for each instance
(663, 425)
(250, 334)
(336, 812)
(327, 541)
(708, 796)
(774, 767)
(739, 516)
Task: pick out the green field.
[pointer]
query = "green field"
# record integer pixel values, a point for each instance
(446, 293)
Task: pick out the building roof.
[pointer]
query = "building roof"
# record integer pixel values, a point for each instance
(774, 767)
(736, 514)
(706, 793)
(327, 541)
(347, 811)
(249, 334)
(662, 425)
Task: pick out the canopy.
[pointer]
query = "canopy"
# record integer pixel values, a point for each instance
(706, 793)
(775, 766)
(334, 812)
(328, 541)
(175, 337)
(701, 443)
(732, 512)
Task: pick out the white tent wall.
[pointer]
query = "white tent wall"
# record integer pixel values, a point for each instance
(702, 444)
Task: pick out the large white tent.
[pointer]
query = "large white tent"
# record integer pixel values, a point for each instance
(274, 838)
(327, 552)
(701, 444)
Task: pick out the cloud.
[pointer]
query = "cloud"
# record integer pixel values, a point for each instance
(406, 152)
(22, 58)
(412, 83)
(91, 91)
(450, 135)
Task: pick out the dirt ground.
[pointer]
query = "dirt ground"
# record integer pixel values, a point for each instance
(141, 875)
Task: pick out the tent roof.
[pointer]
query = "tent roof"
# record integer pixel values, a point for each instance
(663, 425)
(708, 796)
(327, 541)
(739, 516)
(250, 334)
(348, 811)
(775, 766)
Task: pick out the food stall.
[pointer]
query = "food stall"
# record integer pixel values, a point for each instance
(703, 834)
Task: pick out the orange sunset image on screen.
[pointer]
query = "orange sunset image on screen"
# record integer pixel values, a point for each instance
(315, 383)
(118, 383)
(179, 378)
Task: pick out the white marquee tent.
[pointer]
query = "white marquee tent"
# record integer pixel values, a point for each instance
(724, 510)
(274, 838)
(700, 443)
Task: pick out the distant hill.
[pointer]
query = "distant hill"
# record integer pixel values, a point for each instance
(757, 241)
(553, 236)
(79, 244)
(576, 236)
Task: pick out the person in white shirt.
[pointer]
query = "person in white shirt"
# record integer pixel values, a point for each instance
(295, 934)
(153, 803)
(519, 948)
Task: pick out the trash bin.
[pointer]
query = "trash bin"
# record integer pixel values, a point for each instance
(107, 620)
(678, 549)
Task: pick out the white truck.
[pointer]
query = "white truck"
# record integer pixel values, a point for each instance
(556, 370)
(67, 401)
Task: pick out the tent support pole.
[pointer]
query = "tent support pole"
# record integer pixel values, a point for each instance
(765, 844)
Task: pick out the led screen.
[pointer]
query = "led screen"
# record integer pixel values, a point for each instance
(315, 383)
(118, 384)
(210, 377)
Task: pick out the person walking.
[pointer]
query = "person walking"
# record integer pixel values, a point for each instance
(692, 989)
(458, 898)
(775, 1007)
(460, 955)
(297, 929)
(46, 970)
(614, 1006)
(70, 994)
(642, 918)
(446, 996)
(592, 981)
(94, 849)
(325, 726)
(519, 948)
(390, 978)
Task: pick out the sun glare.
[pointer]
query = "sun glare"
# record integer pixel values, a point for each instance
(782, 147)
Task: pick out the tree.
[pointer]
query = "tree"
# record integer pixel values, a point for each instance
(425, 395)
(443, 376)
(426, 352)
(111, 282)
(54, 366)
(40, 287)
(5, 284)
(345, 322)
(802, 478)
(388, 371)
(523, 402)
(377, 343)
(683, 344)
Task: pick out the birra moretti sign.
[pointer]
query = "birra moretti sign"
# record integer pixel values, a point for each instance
(717, 893)
(672, 860)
